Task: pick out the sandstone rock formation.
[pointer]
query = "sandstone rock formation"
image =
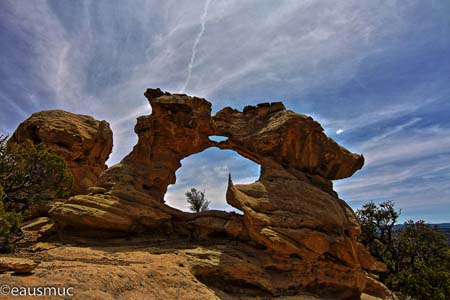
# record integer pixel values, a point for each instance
(84, 142)
(140, 269)
(295, 234)
(17, 265)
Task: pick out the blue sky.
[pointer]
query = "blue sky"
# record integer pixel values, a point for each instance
(375, 74)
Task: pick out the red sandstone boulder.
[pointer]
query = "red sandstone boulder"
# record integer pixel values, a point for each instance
(82, 141)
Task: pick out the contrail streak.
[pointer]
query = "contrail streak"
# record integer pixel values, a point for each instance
(196, 42)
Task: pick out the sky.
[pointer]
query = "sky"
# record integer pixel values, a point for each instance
(375, 74)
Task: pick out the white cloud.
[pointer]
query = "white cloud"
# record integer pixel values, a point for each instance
(15, 107)
(195, 45)
(405, 165)
(414, 145)
(123, 50)
(406, 104)
(99, 58)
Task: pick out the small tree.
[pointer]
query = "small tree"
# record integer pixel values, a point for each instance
(377, 229)
(422, 267)
(9, 224)
(31, 174)
(197, 201)
(416, 254)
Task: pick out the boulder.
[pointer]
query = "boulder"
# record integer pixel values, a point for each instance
(43, 226)
(17, 265)
(82, 141)
(106, 215)
(377, 289)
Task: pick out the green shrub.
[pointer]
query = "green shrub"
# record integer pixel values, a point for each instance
(9, 224)
(416, 254)
(31, 174)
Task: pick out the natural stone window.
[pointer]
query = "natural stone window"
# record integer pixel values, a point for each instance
(218, 138)
(208, 171)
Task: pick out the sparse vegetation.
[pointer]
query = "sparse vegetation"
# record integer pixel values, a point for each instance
(416, 254)
(9, 224)
(197, 200)
(29, 176)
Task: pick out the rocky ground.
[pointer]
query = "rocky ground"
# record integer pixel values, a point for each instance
(135, 268)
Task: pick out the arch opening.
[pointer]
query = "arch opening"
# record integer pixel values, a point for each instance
(218, 138)
(208, 171)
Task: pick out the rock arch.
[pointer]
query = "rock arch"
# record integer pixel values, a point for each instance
(291, 212)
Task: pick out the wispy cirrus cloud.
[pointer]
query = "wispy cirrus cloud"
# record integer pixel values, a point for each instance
(196, 42)
(374, 74)
(409, 166)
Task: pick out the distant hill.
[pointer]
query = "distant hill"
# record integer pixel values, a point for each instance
(445, 228)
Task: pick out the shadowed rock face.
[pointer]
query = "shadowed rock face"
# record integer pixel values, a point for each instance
(84, 142)
(303, 236)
